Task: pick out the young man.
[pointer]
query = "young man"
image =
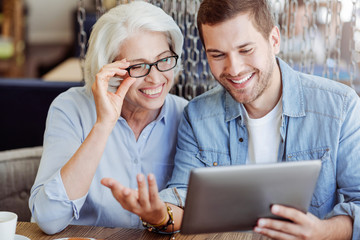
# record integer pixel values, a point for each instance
(263, 112)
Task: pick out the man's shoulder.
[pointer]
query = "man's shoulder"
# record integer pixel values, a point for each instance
(327, 97)
(208, 100)
(207, 105)
(215, 92)
(311, 84)
(324, 84)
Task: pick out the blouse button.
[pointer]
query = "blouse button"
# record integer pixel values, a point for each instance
(241, 139)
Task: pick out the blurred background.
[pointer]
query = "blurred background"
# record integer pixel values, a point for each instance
(47, 39)
(36, 36)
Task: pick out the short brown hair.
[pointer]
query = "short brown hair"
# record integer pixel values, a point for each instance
(212, 12)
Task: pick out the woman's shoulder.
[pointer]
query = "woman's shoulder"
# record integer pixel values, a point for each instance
(73, 97)
(76, 100)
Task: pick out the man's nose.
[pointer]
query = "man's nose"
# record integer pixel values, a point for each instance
(235, 64)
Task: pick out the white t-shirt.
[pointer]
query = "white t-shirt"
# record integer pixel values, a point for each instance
(264, 136)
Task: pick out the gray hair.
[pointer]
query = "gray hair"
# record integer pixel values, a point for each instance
(112, 28)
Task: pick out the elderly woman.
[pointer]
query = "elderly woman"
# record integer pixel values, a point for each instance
(121, 123)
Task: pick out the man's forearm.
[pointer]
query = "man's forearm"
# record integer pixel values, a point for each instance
(339, 227)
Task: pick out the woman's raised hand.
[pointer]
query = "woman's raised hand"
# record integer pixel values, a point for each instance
(144, 202)
(108, 104)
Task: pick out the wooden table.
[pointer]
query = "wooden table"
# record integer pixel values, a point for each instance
(32, 231)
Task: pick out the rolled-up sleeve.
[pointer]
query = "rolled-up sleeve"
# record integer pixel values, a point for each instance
(348, 164)
(51, 207)
(174, 196)
(351, 209)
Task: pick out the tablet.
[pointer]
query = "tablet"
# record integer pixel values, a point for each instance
(233, 198)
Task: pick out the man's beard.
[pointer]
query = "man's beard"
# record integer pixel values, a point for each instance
(258, 89)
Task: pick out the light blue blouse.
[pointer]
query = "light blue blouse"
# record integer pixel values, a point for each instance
(70, 119)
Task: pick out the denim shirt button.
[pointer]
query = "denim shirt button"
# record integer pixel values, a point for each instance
(215, 164)
(241, 139)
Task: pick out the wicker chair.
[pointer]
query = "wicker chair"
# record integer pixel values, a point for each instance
(18, 170)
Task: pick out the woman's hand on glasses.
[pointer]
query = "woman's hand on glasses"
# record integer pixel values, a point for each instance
(109, 104)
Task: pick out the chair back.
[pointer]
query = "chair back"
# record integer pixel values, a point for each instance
(24, 105)
(18, 170)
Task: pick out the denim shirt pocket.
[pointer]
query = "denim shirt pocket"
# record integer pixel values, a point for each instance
(213, 158)
(326, 183)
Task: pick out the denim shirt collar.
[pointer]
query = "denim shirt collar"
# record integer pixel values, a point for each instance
(292, 92)
(232, 108)
(292, 96)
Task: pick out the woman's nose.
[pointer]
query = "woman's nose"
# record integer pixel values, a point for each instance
(154, 75)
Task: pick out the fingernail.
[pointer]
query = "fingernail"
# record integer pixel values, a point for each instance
(275, 209)
(151, 177)
(106, 182)
(257, 229)
(140, 177)
(261, 222)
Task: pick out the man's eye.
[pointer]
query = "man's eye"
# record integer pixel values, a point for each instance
(246, 50)
(217, 56)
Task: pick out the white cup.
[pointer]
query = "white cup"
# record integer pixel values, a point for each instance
(8, 222)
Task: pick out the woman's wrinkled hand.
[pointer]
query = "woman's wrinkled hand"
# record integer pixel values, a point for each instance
(144, 202)
(108, 104)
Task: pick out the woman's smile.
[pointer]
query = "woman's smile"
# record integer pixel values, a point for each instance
(152, 91)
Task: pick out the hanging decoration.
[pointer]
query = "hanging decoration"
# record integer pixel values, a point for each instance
(320, 37)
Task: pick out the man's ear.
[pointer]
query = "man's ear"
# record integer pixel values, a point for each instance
(275, 39)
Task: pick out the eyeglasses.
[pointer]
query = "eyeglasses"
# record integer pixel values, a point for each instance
(143, 69)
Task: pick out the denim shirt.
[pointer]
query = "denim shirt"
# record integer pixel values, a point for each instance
(320, 120)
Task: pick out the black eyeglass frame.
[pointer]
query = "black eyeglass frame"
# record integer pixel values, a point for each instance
(153, 64)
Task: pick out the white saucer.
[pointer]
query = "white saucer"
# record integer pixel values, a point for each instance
(20, 237)
(80, 238)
